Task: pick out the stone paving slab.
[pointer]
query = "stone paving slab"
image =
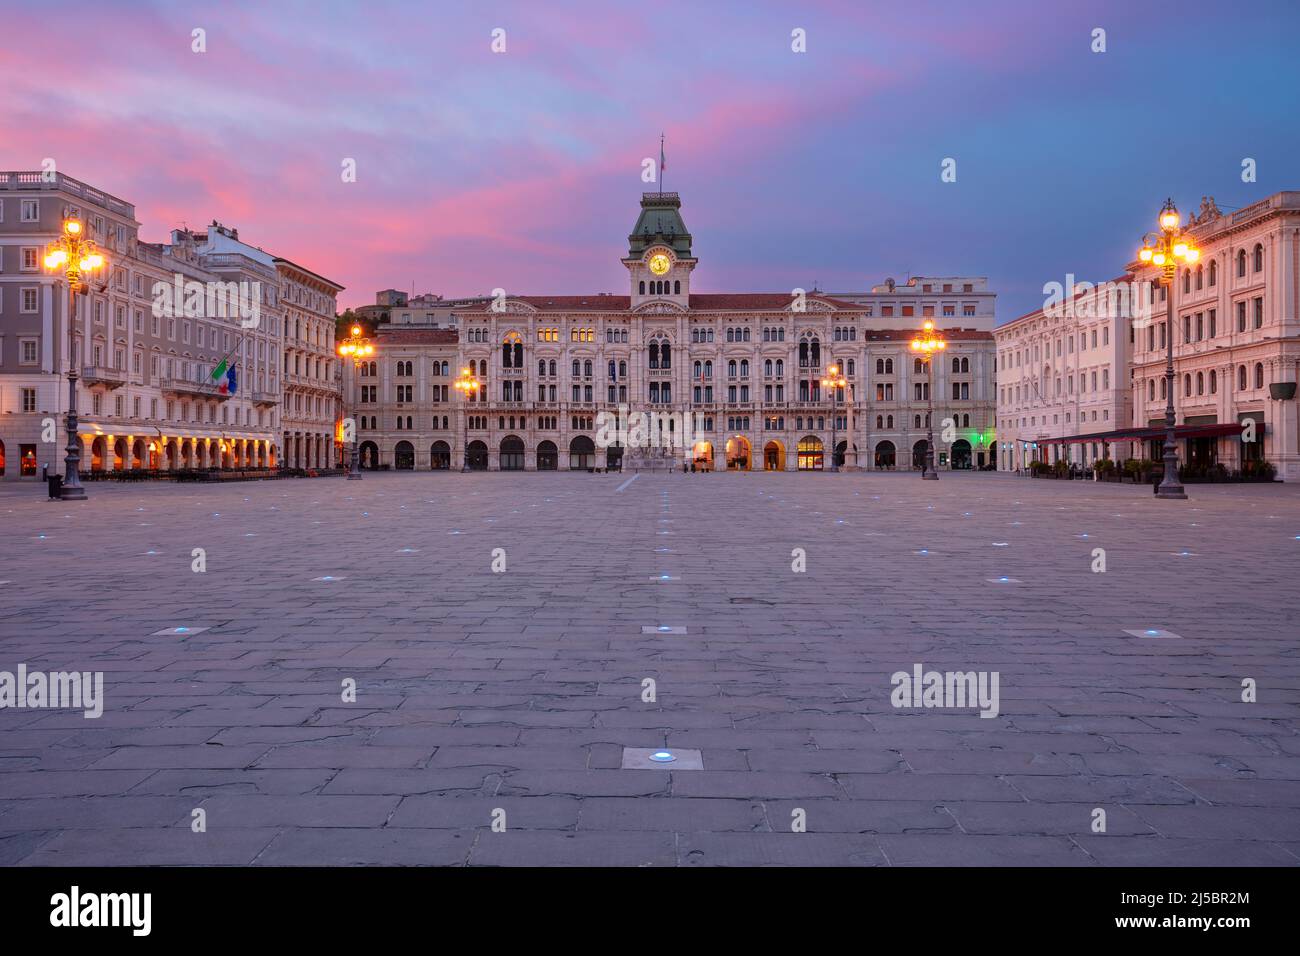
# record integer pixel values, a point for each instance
(478, 692)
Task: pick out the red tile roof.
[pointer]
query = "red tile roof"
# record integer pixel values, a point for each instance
(393, 336)
(708, 302)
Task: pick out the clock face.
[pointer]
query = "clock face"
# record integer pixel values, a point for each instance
(659, 263)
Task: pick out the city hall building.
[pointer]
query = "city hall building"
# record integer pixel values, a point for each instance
(742, 371)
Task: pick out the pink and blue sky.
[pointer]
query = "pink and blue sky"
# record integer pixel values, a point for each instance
(522, 170)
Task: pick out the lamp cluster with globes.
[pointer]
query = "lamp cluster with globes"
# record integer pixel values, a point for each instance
(925, 344)
(1165, 250)
(358, 348)
(468, 385)
(75, 255)
(834, 380)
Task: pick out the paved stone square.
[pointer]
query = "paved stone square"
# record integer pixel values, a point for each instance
(483, 695)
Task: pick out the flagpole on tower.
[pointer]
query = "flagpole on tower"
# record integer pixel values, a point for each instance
(661, 164)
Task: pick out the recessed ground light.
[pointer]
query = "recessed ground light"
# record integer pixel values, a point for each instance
(1003, 580)
(1154, 633)
(1184, 554)
(662, 629)
(329, 577)
(183, 631)
(407, 550)
(635, 758)
(1000, 544)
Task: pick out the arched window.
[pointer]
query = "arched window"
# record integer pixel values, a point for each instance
(767, 368)
(708, 368)
(880, 421)
(577, 368)
(744, 368)
(1241, 263)
(541, 366)
(1187, 282)
(731, 335)
(780, 368)
(506, 353)
(613, 369)
(642, 290)
(1200, 277)
(1259, 257)
(1151, 390)
(731, 369)
(889, 366)
(586, 368)
(1187, 385)
(698, 368)
(1200, 383)
(916, 421)
(956, 364)
(1214, 272)
(482, 367)
(851, 366)
(1214, 382)
(965, 365)
(889, 422)
(917, 366)
(1259, 374)
(677, 287)
(622, 369)
(666, 356)
(880, 366)
(552, 367)
(1241, 378)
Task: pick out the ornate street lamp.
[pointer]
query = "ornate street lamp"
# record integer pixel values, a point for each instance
(74, 254)
(834, 381)
(927, 342)
(1164, 249)
(468, 385)
(358, 348)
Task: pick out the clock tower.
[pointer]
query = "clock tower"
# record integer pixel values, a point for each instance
(659, 260)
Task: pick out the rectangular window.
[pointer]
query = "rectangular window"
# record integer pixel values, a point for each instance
(28, 302)
(28, 261)
(27, 355)
(29, 399)
(31, 210)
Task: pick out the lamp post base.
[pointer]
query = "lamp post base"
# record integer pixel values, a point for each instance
(1171, 491)
(352, 477)
(929, 476)
(75, 493)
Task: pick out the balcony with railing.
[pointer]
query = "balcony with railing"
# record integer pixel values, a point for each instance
(182, 386)
(103, 375)
(264, 398)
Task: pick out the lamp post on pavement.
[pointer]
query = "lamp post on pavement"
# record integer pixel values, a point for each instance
(358, 348)
(835, 381)
(75, 254)
(1164, 249)
(468, 385)
(927, 342)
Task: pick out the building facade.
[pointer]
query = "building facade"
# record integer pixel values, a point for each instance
(146, 341)
(1236, 344)
(1236, 340)
(741, 372)
(1063, 371)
